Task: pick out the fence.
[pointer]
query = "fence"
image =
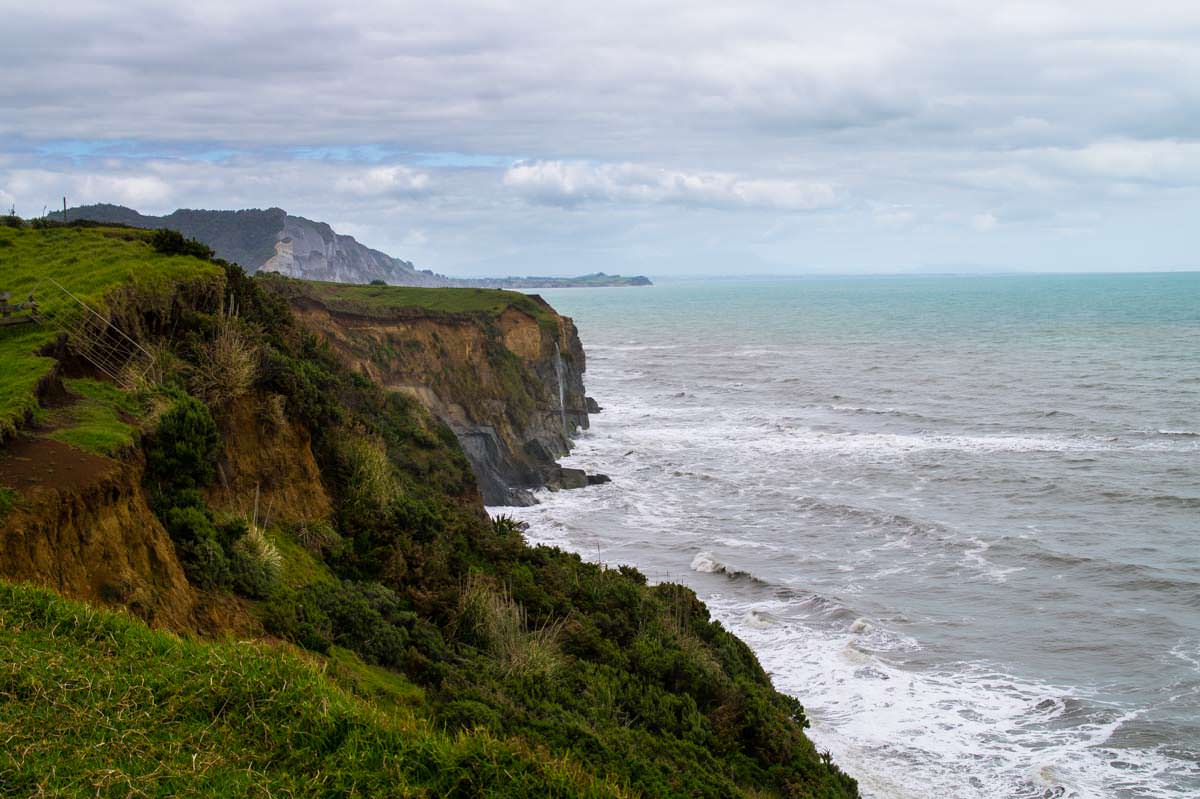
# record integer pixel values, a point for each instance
(93, 337)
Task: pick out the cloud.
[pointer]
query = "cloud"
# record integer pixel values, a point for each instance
(568, 184)
(1170, 161)
(451, 118)
(984, 223)
(399, 180)
(32, 186)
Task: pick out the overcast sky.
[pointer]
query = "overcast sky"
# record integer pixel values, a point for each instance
(666, 137)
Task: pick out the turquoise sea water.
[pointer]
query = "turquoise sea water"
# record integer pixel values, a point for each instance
(959, 517)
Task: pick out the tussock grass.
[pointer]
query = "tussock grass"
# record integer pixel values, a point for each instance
(227, 366)
(489, 615)
(372, 483)
(93, 703)
(256, 546)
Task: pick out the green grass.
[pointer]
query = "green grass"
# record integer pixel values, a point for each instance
(22, 370)
(93, 703)
(300, 568)
(389, 300)
(8, 499)
(88, 262)
(382, 687)
(100, 421)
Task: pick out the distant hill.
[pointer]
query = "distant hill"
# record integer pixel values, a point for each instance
(274, 240)
(583, 281)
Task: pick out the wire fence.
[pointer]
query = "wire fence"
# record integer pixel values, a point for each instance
(93, 337)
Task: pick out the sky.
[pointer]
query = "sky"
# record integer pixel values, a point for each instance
(652, 137)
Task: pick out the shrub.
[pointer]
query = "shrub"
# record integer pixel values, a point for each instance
(364, 617)
(172, 242)
(199, 547)
(8, 500)
(186, 445)
(297, 616)
(311, 390)
(467, 714)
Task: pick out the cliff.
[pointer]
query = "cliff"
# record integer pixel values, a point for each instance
(503, 370)
(355, 623)
(276, 241)
(273, 240)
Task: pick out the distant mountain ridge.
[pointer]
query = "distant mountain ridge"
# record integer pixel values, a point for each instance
(273, 240)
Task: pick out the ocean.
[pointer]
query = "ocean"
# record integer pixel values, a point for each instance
(957, 517)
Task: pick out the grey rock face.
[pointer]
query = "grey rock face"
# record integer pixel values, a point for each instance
(313, 251)
(274, 240)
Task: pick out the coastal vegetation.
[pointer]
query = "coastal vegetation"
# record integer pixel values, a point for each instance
(376, 299)
(398, 642)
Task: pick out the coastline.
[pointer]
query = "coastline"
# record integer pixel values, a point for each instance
(888, 556)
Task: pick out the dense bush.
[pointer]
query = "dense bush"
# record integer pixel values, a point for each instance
(185, 447)
(172, 242)
(367, 618)
(634, 682)
(199, 547)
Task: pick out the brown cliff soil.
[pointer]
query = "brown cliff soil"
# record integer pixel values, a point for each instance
(268, 456)
(497, 367)
(83, 528)
(82, 525)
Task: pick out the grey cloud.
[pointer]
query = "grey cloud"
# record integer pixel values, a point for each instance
(567, 183)
(645, 113)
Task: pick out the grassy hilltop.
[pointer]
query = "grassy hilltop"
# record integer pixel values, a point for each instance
(375, 634)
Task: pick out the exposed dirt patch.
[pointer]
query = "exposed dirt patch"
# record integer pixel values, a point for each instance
(28, 463)
(271, 460)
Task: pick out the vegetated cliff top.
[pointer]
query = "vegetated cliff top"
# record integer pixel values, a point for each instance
(549, 675)
(384, 301)
(88, 263)
(274, 239)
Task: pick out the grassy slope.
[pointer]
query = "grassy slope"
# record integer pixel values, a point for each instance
(92, 703)
(387, 300)
(88, 262)
(631, 682)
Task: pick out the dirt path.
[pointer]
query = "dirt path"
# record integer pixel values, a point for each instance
(28, 463)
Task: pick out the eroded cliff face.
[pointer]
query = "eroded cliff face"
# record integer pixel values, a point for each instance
(268, 460)
(83, 525)
(89, 534)
(495, 382)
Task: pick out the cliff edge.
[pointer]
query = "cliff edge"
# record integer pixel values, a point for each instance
(222, 465)
(502, 369)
